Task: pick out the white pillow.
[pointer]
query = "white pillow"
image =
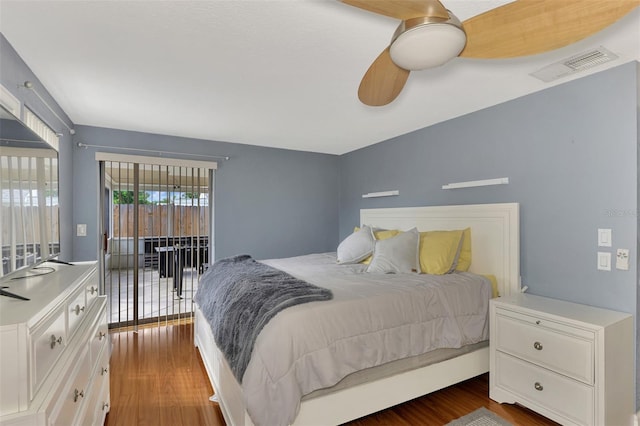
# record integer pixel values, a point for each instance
(397, 254)
(357, 246)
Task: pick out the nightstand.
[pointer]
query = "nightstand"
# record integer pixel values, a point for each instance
(571, 363)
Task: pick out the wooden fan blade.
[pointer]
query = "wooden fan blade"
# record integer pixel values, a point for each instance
(402, 9)
(529, 27)
(382, 82)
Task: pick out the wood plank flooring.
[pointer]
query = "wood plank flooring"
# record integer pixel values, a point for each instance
(157, 378)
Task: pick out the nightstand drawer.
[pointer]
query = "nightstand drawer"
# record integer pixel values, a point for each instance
(565, 397)
(559, 347)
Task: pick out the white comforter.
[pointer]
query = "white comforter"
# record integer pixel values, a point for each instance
(373, 319)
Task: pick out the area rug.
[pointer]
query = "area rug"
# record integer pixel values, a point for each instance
(480, 417)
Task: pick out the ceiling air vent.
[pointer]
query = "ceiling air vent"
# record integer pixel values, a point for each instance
(575, 64)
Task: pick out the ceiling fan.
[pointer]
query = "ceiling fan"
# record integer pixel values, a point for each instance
(429, 35)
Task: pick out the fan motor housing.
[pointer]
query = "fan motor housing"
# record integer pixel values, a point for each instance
(427, 42)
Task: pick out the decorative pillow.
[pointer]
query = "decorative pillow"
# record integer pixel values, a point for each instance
(438, 251)
(356, 246)
(381, 234)
(464, 259)
(396, 254)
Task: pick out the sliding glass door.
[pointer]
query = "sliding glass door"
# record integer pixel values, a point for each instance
(157, 224)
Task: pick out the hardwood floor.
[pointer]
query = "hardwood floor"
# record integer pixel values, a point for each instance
(157, 378)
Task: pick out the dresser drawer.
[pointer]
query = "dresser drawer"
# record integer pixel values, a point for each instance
(48, 340)
(559, 347)
(70, 406)
(99, 402)
(102, 405)
(100, 337)
(76, 310)
(571, 400)
(91, 289)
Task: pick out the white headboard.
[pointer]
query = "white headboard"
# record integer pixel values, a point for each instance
(495, 234)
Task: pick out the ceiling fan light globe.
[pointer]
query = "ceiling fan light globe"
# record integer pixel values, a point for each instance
(427, 45)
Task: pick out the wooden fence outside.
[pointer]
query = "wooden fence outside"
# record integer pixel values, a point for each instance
(160, 220)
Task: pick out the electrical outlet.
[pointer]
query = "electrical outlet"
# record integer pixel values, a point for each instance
(81, 230)
(622, 259)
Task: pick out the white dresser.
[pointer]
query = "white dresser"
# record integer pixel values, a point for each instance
(54, 349)
(571, 363)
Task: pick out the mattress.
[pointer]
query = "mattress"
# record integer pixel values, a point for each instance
(373, 320)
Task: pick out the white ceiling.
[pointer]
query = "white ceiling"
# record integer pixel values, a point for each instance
(264, 72)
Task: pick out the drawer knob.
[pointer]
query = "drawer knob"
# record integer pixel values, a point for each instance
(55, 340)
(538, 322)
(538, 346)
(104, 371)
(78, 309)
(93, 290)
(105, 406)
(538, 386)
(77, 394)
(101, 335)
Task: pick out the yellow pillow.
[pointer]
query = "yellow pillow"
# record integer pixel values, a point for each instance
(438, 250)
(464, 259)
(494, 285)
(382, 234)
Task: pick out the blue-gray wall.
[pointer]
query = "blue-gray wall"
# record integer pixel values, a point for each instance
(268, 202)
(571, 155)
(13, 73)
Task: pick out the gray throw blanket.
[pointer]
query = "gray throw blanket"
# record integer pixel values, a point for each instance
(238, 296)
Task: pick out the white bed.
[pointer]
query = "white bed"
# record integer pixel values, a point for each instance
(495, 250)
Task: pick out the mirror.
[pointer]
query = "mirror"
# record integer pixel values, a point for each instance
(29, 214)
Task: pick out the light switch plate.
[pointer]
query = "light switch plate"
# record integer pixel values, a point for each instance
(81, 230)
(604, 237)
(622, 259)
(604, 261)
